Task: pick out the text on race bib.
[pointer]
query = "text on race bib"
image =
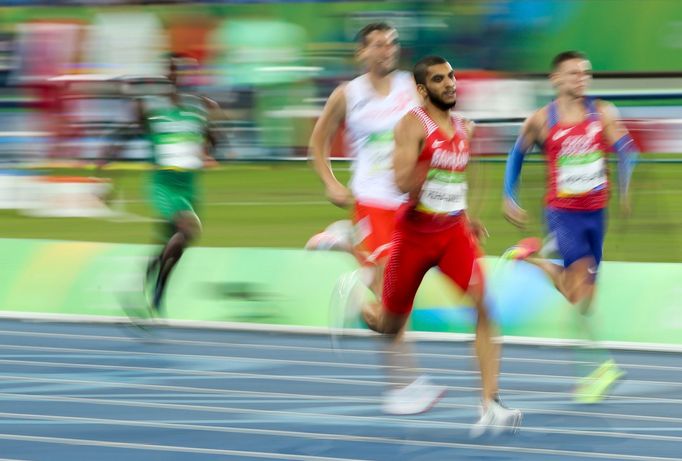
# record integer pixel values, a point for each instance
(379, 150)
(580, 174)
(444, 192)
(187, 155)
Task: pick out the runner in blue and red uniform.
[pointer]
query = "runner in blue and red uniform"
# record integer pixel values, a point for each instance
(575, 132)
(433, 229)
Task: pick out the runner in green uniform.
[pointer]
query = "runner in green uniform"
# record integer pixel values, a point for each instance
(178, 136)
(177, 128)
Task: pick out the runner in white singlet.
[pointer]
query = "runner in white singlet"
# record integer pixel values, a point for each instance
(368, 107)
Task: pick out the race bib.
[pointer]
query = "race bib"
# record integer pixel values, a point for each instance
(379, 150)
(444, 192)
(580, 174)
(185, 155)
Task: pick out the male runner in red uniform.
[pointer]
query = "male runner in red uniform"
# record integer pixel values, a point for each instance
(433, 230)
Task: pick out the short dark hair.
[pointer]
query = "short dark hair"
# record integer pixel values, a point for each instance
(566, 56)
(421, 68)
(361, 37)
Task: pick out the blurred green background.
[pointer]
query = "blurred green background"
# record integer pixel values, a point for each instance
(282, 204)
(519, 35)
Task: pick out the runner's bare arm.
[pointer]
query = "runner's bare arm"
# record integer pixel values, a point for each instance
(330, 120)
(614, 129)
(477, 186)
(211, 135)
(409, 138)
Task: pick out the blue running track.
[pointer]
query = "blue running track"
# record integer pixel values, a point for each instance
(77, 391)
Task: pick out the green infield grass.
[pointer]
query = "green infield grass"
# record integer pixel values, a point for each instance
(282, 204)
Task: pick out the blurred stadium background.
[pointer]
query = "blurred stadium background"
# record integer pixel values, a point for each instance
(271, 65)
(74, 224)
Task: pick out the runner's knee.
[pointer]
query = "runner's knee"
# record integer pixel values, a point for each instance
(382, 321)
(577, 282)
(188, 224)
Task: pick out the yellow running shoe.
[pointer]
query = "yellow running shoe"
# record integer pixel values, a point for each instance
(523, 250)
(594, 387)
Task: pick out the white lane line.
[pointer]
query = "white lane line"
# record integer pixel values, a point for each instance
(252, 203)
(229, 392)
(308, 330)
(229, 410)
(174, 448)
(231, 346)
(220, 203)
(301, 377)
(212, 357)
(323, 436)
(258, 203)
(235, 327)
(459, 394)
(162, 371)
(316, 418)
(598, 414)
(251, 454)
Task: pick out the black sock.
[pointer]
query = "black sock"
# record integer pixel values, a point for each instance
(161, 280)
(153, 266)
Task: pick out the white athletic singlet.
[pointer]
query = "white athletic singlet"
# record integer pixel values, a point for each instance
(370, 120)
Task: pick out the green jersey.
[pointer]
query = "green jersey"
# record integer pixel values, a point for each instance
(178, 136)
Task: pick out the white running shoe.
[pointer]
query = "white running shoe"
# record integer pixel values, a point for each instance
(338, 236)
(496, 419)
(347, 299)
(345, 305)
(417, 397)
